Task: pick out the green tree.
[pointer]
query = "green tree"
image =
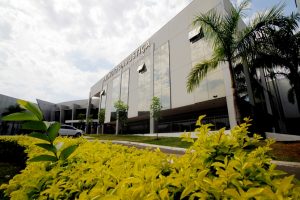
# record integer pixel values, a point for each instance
(101, 118)
(276, 49)
(81, 117)
(155, 111)
(121, 110)
(227, 39)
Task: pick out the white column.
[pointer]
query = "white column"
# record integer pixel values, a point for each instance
(88, 114)
(151, 125)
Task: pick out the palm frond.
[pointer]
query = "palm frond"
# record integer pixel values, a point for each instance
(198, 73)
(249, 39)
(210, 24)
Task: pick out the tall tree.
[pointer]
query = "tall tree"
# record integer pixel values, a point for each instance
(276, 49)
(121, 110)
(101, 118)
(155, 109)
(224, 31)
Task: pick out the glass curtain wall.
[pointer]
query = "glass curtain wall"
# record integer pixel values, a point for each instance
(115, 97)
(125, 86)
(144, 85)
(103, 98)
(162, 75)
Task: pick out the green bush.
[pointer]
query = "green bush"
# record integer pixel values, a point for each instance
(216, 166)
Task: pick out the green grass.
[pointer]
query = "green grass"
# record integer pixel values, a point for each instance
(164, 141)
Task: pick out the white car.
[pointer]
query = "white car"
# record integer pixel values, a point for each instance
(66, 130)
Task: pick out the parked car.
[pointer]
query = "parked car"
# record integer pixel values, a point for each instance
(67, 130)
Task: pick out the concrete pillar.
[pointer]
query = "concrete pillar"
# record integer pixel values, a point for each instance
(117, 124)
(74, 108)
(152, 128)
(62, 114)
(88, 113)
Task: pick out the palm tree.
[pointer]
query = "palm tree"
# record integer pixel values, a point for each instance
(277, 49)
(227, 39)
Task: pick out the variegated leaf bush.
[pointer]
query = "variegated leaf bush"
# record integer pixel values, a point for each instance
(216, 166)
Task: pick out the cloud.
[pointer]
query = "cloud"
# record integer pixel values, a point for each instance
(56, 50)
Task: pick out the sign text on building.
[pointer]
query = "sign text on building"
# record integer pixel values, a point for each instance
(140, 51)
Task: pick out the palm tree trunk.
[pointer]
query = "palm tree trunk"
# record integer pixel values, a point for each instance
(234, 93)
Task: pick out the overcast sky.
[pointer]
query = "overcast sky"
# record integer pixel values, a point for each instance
(56, 50)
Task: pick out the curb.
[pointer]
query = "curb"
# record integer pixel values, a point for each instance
(182, 150)
(286, 163)
(146, 145)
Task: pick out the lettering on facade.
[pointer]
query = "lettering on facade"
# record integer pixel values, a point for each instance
(140, 51)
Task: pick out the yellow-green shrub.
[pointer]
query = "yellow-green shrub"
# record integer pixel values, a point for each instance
(217, 166)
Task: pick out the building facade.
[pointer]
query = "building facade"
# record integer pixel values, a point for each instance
(159, 67)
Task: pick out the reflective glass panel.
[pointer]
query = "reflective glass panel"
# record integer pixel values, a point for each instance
(125, 86)
(115, 92)
(103, 97)
(162, 75)
(144, 84)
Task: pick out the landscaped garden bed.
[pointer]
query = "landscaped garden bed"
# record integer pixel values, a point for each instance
(283, 151)
(216, 166)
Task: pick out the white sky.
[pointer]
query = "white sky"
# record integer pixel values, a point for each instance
(56, 50)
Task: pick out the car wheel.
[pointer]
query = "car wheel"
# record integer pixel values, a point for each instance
(77, 134)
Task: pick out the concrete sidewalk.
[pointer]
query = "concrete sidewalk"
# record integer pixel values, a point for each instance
(289, 167)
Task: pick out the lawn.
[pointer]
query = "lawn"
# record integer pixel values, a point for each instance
(285, 151)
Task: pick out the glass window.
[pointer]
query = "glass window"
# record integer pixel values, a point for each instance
(103, 97)
(115, 96)
(144, 84)
(125, 86)
(162, 75)
(115, 92)
(216, 87)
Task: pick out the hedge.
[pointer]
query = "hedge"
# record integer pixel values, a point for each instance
(216, 166)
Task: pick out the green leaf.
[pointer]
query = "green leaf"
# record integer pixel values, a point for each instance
(43, 158)
(20, 116)
(47, 124)
(232, 193)
(67, 152)
(34, 125)
(41, 136)
(32, 108)
(48, 147)
(189, 189)
(252, 192)
(53, 131)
